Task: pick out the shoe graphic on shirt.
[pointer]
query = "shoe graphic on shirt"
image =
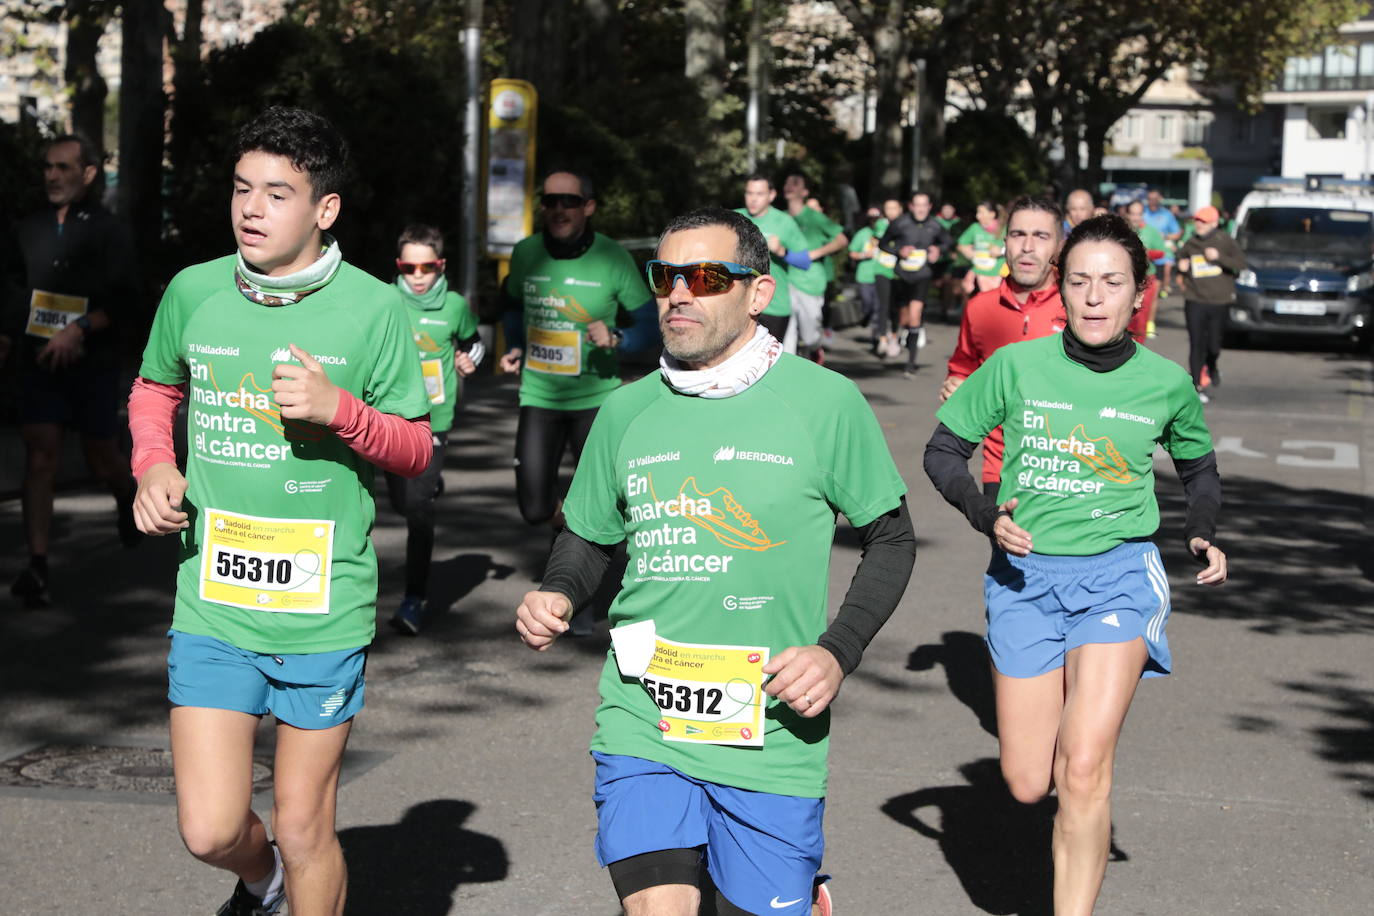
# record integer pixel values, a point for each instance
(728, 521)
(1106, 460)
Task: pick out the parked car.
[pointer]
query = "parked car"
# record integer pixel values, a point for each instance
(1310, 252)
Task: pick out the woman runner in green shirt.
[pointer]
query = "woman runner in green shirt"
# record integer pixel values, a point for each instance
(1077, 598)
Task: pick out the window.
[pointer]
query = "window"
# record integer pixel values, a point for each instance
(1340, 67)
(1326, 123)
(1167, 127)
(1301, 73)
(1366, 65)
(1196, 129)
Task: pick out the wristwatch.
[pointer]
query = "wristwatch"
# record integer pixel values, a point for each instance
(83, 323)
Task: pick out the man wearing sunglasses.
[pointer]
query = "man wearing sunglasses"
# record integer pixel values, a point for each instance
(786, 248)
(574, 301)
(722, 474)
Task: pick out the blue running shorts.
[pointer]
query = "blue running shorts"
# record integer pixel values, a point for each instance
(1040, 607)
(315, 691)
(762, 850)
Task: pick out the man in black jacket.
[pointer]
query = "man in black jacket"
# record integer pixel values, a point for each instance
(79, 282)
(1208, 263)
(916, 238)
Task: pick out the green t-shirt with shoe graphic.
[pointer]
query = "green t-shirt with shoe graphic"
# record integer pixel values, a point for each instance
(1079, 444)
(727, 508)
(277, 556)
(437, 323)
(773, 221)
(818, 229)
(562, 369)
(985, 263)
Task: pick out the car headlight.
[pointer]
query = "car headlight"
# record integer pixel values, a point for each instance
(1247, 278)
(1359, 283)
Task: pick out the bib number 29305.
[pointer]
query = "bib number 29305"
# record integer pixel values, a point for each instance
(267, 564)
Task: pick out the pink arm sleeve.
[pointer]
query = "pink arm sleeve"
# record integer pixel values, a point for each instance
(393, 443)
(152, 409)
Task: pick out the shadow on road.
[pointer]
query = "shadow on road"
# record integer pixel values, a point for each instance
(965, 660)
(1000, 849)
(1299, 558)
(1348, 741)
(415, 866)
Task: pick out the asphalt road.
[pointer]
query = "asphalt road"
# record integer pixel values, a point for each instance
(1245, 782)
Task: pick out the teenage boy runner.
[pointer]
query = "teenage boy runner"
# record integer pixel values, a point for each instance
(862, 251)
(302, 375)
(445, 332)
(723, 474)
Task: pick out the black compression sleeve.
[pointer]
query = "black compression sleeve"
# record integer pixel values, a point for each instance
(575, 567)
(889, 551)
(1202, 492)
(946, 464)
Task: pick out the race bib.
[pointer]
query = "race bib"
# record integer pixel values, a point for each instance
(915, 261)
(433, 372)
(554, 352)
(1203, 268)
(51, 312)
(887, 259)
(267, 564)
(708, 694)
(984, 261)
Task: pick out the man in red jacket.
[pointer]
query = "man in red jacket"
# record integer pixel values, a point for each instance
(1025, 306)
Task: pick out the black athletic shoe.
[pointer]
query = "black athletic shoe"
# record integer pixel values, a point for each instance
(31, 588)
(245, 904)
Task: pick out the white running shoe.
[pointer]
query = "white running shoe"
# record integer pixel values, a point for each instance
(920, 342)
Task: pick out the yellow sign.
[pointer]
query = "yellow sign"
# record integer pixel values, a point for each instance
(267, 564)
(553, 352)
(708, 694)
(511, 122)
(433, 372)
(51, 312)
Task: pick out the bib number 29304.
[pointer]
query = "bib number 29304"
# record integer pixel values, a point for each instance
(267, 564)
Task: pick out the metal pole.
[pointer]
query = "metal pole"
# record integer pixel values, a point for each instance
(916, 125)
(472, 148)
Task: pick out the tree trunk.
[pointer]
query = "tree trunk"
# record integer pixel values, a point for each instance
(85, 24)
(186, 86)
(596, 53)
(142, 105)
(930, 170)
(538, 43)
(1095, 138)
(705, 48)
(889, 82)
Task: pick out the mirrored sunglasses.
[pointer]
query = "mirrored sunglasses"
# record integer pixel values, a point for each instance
(703, 278)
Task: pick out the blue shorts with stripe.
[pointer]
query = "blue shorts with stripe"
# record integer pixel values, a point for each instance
(1040, 607)
(761, 850)
(314, 691)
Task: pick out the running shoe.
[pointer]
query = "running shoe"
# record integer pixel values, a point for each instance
(894, 348)
(245, 904)
(1202, 396)
(920, 337)
(408, 616)
(31, 588)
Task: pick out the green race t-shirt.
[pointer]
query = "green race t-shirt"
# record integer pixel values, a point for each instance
(1153, 240)
(775, 222)
(984, 242)
(867, 239)
(818, 229)
(1079, 443)
(435, 331)
(728, 508)
(277, 556)
(562, 369)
